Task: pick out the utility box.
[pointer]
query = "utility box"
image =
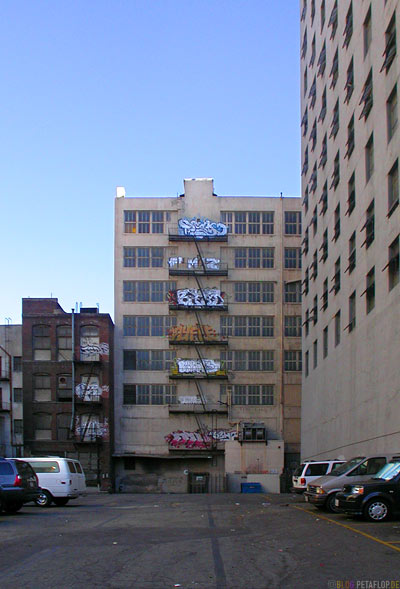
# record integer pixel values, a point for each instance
(251, 488)
(198, 482)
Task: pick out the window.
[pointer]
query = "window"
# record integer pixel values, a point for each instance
(292, 361)
(390, 48)
(350, 138)
(292, 257)
(391, 113)
(305, 81)
(369, 225)
(292, 326)
(367, 97)
(268, 223)
(148, 359)
(304, 169)
(313, 93)
(335, 120)
(324, 198)
(314, 179)
(253, 223)
(336, 230)
(240, 223)
(42, 426)
(157, 221)
(64, 388)
(304, 45)
(322, 113)
(143, 257)
(352, 253)
(41, 388)
(307, 320)
(17, 363)
(64, 343)
(129, 221)
(348, 30)
(315, 353)
(254, 292)
(313, 138)
(321, 65)
(334, 73)
(351, 191)
(149, 394)
(304, 122)
(292, 223)
(227, 219)
(249, 222)
(251, 394)
(312, 58)
(370, 290)
(144, 221)
(248, 360)
(312, 14)
(324, 152)
(325, 342)
(306, 281)
(18, 427)
(349, 87)
(314, 266)
(367, 32)
(352, 311)
(393, 188)
(307, 363)
(304, 10)
(393, 263)
(292, 293)
(305, 200)
(146, 292)
(333, 20)
(336, 172)
(322, 14)
(63, 426)
(324, 247)
(17, 395)
(89, 343)
(306, 240)
(254, 257)
(325, 294)
(336, 277)
(315, 310)
(41, 342)
(337, 329)
(369, 158)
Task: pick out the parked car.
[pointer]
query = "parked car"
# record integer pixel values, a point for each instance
(309, 471)
(376, 498)
(18, 484)
(60, 479)
(322, 491)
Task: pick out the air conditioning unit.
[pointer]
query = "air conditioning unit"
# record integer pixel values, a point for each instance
(253, 432)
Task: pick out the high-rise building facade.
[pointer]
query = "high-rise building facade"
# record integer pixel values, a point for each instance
(350, 188)
(11, 428)
(207, 337)
(68, 385)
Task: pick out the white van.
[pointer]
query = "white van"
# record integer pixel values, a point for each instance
(61, 479)
(311, 470)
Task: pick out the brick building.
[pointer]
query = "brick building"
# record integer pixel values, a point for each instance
(67, 391)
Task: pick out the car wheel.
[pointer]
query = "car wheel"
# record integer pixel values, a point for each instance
(60, 501)
(44, 499)
(377, 510)
(330, 503)
(12, 507)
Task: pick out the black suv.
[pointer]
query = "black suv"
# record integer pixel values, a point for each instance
(376, 498)
(18, 484)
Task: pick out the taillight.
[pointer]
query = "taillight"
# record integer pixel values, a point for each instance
(302, 481)
(18, 481)
(37, 480)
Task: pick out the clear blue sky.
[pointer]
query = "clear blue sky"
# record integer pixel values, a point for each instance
(140, 94)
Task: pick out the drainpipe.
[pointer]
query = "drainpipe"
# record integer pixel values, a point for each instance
(282, 399)
(72, 426)
(11, 396)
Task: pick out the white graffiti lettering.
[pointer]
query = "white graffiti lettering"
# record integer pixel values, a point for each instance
(88, 392)
(210, 263)
(198, 366)
(187, 400)
(90, 349)
(175, 261)
(194, 297)
(201, 227)
(198, 440)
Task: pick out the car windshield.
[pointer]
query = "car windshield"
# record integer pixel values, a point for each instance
(298, 470)
(343, 468)
(388, 472)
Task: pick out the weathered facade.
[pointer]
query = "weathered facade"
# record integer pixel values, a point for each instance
(68, 388)
(208, 332)
(11, 431)
(350, 149)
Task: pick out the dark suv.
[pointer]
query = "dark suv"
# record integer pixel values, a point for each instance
(18, 484)
(376, 498)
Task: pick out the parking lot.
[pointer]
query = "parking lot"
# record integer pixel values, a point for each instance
(221, 541)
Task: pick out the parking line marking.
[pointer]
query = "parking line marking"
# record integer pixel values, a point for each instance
(374, 538)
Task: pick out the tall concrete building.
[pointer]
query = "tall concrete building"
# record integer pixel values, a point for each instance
(208, 339)
(350, 188)
(11, 414)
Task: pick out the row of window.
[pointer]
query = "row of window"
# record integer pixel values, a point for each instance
(159, 394)
(243, 292)
(42, 345)
(238, 360)
(238, 222)
(42, 387)
(392, 268)
(43, 425)
(230, 325)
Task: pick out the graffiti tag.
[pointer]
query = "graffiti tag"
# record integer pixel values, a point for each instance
(201, 227)
(191, 333)
(194, 297)
(198, 366)
(187, 439)
(187, 400)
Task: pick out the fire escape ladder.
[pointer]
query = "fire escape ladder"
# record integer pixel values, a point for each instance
(201, 395)
(203, 430)
(200, 254)
(91, 410)
(200, 325)
(202, 361)
(201, 290)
